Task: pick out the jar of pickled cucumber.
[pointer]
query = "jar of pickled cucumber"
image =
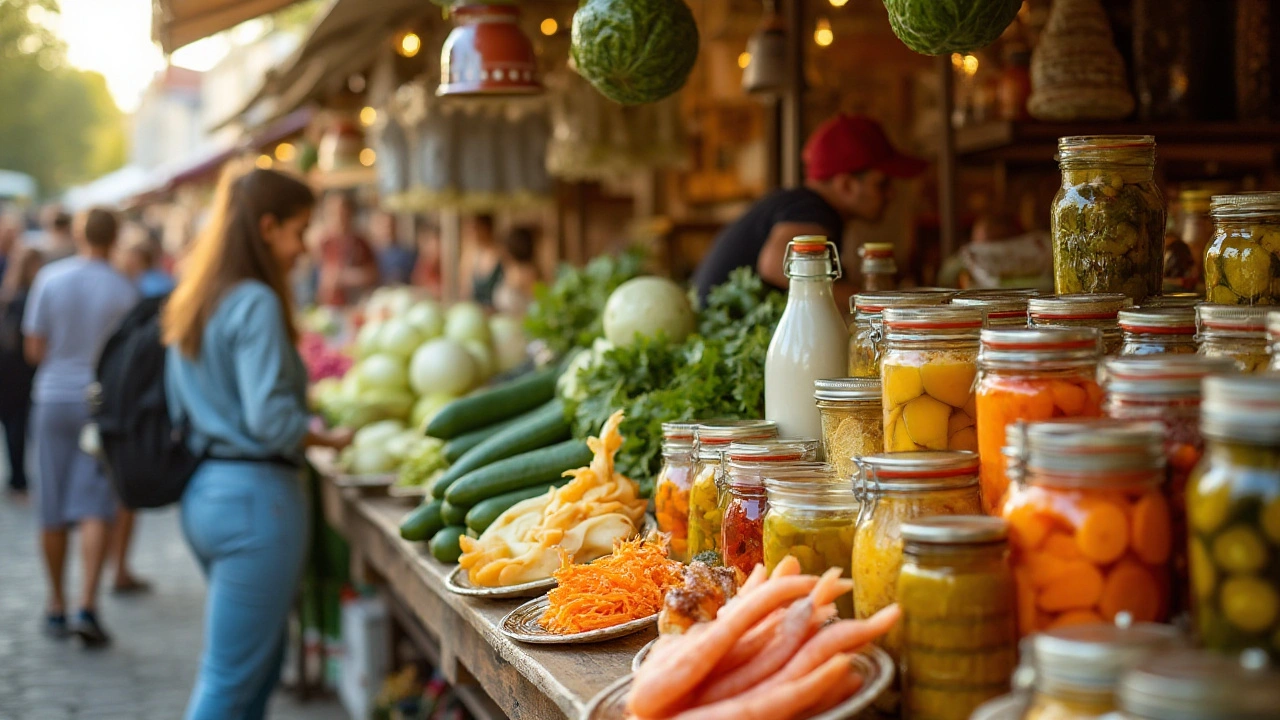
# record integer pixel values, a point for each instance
(671, 489)
(1078, 668)
(710, 441)
(1273, 335)
(1090, 528)
(743, 499)
(852, 425)
(998, 310)
(811, 516)
(1242, 263)
(930, 362)
(1100, 312)
(1233, 509)
(894, 489)
(866, 333)
(1200, 685)
(1108, 219)
(1235, 331)
(959, 627)
(1148, 331)
(1174, 300)
(1032, 374)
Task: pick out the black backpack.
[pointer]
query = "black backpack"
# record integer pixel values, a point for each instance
(144, 453)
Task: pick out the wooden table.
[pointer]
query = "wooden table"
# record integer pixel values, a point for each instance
(493, 675)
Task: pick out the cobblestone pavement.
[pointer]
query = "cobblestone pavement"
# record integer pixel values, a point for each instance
(147, 673)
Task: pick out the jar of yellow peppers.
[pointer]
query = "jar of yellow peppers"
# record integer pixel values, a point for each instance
(1238, 332)
(866, 334)
(671, 490)
(811, 516)
(710, 441)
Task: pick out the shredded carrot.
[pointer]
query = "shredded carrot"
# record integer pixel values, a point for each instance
(618, 588)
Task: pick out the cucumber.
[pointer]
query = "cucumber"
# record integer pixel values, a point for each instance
(453, 514)
(482, 515)
(459, 446)
(537, 467)
(488, 406)
(422, 522)
(444, 546)
(531, 431)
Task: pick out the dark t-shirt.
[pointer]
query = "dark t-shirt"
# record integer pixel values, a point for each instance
(739, 244)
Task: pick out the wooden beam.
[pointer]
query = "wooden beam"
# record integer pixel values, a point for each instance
(947, 191)
(792, 121)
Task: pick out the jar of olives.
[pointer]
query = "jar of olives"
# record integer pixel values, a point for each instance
(1234, 331)
(710, 440)
(1242, 263)
(811, 516)
(1199, 685)
(1100, 311)
(1148, 331)
(671, 489)
(998, 310)
(742, 501)
(1233, 509)
(1108, 219)
(866, 334)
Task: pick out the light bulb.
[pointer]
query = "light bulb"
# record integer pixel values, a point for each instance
(368, 116)
(744, 59)
(367, 157)
(410, 44)
(549, 26)
(822, 34)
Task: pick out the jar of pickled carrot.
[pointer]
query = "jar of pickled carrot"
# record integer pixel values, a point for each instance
(930, 362)
(896, 488)
(866, 333)
(1031, 374)
(852, 425)
(960, 631)
(710, 440)
(811, 516)
(1150, 331)
(743, 499)
(1233, 509)
(1100, 311)
(671, 489)
(1201, 685)
(1000, 308)
(1238, 332)
(1090, 527)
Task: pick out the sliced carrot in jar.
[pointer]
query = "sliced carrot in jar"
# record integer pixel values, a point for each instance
(1027, 526)
(1075, 617)
(1093, 405)
(1068, 398)
(1130, 587)
(1152, 535)
(1061, 545)
(1077, 587)
(1026, 601)
(1103, 533)
(1044, 569)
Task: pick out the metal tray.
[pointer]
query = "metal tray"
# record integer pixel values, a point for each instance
(641, 654)
(524, 624)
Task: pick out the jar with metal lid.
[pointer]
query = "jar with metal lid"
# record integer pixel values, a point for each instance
(879, 267)
(852, 425)
(1089, 523)
(1108, 219)
(959, 627)
(1078, 668)
(1148, 331)
(743, 499)
(1233, 509)
(671, 489)
(1196, 231)
(1273, 336)
(710, 440)
(1099, 311)
(811, 516)
(998, 311)
(896, 488)
(866, 333)
(1235, 331)
(1033, 374)
(1242, 263)
(1199, 685)
(930, 362)
(1166, 389)
(1174, 300)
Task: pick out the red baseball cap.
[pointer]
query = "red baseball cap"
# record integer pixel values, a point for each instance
(852, 144)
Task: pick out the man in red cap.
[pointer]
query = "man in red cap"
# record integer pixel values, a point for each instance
(848, 165)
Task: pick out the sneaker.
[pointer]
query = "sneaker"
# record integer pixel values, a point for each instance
(55, 626)
(89, 631)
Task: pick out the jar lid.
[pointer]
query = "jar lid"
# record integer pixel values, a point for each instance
(1013, 347)
(772, 450)
(1273, 325)
(1245, 205)
(995, 307)
(809, 482)
(1243, 407)
(678, 430)
(1163, 374)
(847, 389)
(876, 250)
(1095, 656)
(1087, 452)
(1248, 319)
(1183, 299)
(920, 470)
(1201, 685)
(956, 530)
(1105, 142)
(944, 318)
(1159, 321)
(1005, 707)
(723, 432)
(997, 292)
(875, 303)
(1078, 306)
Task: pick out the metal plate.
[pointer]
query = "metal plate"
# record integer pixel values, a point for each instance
(642, 654)
(872, 663)
(524, 624)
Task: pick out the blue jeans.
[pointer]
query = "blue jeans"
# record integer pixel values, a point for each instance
(247, 525)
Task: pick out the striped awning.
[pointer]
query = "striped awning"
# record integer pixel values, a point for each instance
(175, 23)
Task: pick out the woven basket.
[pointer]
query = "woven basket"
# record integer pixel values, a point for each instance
(1076, 71)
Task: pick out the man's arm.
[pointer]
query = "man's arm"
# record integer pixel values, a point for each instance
(34, 347)
(769, 264)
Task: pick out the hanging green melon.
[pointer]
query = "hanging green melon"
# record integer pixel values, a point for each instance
(634, 51)
(940, 27)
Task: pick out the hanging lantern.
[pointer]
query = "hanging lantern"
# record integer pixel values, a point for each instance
(488, 54)
(766, 69)
(340, 147)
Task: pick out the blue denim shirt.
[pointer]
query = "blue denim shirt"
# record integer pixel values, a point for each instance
(245, 396)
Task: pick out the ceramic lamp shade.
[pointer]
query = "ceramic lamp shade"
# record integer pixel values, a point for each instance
(488, 54)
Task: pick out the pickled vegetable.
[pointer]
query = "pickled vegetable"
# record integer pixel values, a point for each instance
(928, 401)
(864, 350)
(704, 512)
(742, 532)
(1250, 354)
(850, 430)
(671, 507)
(820, 541)
(1242, 264)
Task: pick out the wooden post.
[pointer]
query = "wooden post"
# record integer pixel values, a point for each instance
(451, 254)
(947, 190)
(792, 121)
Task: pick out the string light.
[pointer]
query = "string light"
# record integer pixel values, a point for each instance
(367, 157)
(957, 61)
(838, 3)
(263, 162)
(410, 44)
(549, 27)
(970, 65)
(368, 116)
(822, 34)
(744, 60)
(286, 152)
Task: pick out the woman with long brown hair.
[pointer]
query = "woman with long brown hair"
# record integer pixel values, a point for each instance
(15, 391)
(235, 378)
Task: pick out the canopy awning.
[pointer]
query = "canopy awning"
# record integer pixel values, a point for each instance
(175, 23)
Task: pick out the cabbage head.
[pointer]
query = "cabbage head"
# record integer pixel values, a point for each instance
(634, 51)
(940, 27)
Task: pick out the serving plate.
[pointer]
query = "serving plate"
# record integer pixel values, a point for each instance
(642, 654)
(874, 664)
(524, 624)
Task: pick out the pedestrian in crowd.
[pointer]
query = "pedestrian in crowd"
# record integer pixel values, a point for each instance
(519, 273)
(482, 262)
(348, 268)
(395, 261)
(427, 272)
(234, 374)
(55, 239)
(139, 259)
(74, 306)
(10, 234)
(15, 391)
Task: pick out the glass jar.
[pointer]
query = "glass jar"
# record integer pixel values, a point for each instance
(960, 630)
(879, 267)
(1166, 389)
(1200, 685)
(1242, 264)
(1100, 312)
(671, 489)
(1089, 524)
(1034, 374)
(896, 488)
(1236, 332)
(710, 440)
(1273, 334)
(1174, 300)
(852, 425)
(866, 334)
(1077, 669)
(1148, 331)
(1233, 509)
(1197, 228)
(811, 516)
(998, 310)
(743, 499)
(1107, 220)
(930, 362)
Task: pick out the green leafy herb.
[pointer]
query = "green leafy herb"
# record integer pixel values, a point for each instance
(566, 314)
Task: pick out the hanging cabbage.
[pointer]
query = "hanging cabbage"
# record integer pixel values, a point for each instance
(634, 51)
(933, 27)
